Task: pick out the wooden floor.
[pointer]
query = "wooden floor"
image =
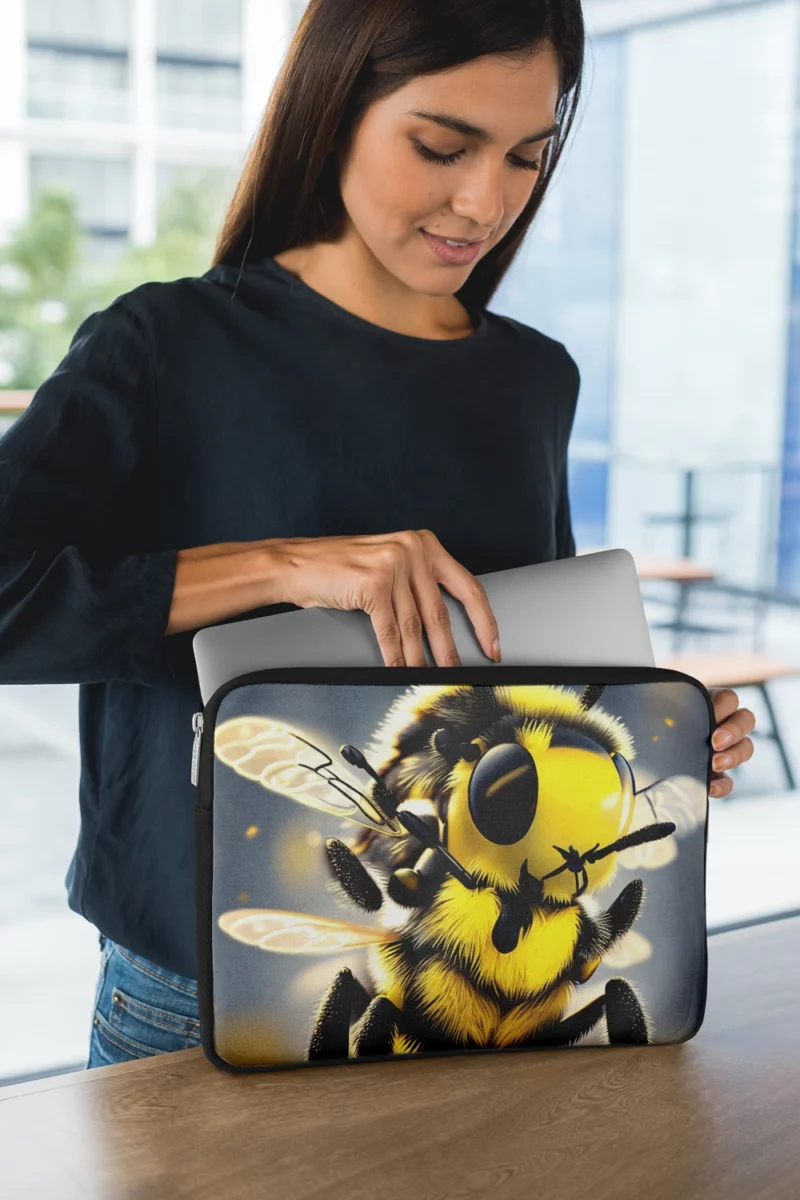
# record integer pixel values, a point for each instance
(713, 1119)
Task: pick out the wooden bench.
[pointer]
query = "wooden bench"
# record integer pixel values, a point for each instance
(740, 669)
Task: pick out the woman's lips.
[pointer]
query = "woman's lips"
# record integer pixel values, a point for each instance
(454, 255)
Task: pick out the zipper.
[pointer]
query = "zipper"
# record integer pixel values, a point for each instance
(498, 673)
(197, 726)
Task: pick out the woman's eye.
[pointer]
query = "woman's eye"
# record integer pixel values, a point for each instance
(447, 160)
(431, 155)
(527, 165)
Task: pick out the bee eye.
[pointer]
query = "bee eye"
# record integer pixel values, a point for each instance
(503, 793)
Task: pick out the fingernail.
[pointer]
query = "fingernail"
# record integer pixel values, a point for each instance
(714, 789)
(721, 761)
(723, 738)
(496, 650)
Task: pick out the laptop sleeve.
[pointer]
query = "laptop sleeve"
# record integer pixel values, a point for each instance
(409, 861)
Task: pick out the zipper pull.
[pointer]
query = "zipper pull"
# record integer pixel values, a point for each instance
(197, 726)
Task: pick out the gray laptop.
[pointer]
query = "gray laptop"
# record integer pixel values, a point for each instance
(585, 610)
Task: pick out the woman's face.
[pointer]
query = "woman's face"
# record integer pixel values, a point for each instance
(393, 189)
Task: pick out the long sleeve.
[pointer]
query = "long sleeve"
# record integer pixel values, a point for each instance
(565, 539)
(82, 599)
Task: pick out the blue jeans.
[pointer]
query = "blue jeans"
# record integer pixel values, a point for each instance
(139, 1009)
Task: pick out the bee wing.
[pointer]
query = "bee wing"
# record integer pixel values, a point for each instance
(298, 933)
(633, 948)
(649, 856)
(282, 760)
(677, 798)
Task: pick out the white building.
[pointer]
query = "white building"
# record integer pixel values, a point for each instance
(119, 98)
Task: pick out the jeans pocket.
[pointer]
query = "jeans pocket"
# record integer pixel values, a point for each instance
(105, 951)
(149, 1027)
(142, 1010)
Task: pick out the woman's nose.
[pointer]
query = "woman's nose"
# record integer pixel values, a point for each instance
(480, 200)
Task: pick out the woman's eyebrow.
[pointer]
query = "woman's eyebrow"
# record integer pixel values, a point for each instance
(448, 121)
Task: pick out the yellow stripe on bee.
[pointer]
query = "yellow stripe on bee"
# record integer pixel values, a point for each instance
(523, 1022)
(403, 1044)
(554, 705)
(461, 921)
(465, 1016)
(390, 971)
(588, 969)
(454, 1005)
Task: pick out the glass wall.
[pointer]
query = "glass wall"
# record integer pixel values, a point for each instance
(704, 270)
(667, 259)
(788, 556)
(565, 282)
(664, 244)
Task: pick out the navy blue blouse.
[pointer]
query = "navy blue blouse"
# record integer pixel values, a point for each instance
(236, 407)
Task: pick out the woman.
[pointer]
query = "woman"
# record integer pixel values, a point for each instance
(328, 417)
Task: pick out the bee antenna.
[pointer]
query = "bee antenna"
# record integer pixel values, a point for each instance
(355, 757)
(591, 694)
(352, 755)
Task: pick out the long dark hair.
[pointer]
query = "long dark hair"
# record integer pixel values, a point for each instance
(345, 55)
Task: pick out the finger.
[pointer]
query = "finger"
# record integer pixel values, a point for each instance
(409, 623)
(462, 584)
(725, 701)
(380, 611)
(433, 610)
(733, 729)
(737, 754)
(721, 787)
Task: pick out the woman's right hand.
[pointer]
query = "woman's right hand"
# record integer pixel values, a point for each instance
(394, 578)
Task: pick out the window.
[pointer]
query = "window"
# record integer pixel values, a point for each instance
(70, 22)
(39, 820)
(198, 65)
(78, 87)
(203, 28)
(78, 65)
(195, 95)
(670, 273)
(101, 186)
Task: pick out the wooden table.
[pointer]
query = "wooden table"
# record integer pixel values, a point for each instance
(736, 668)
(712, 1119)
(676, 570)
(13, 403)
(740, 669)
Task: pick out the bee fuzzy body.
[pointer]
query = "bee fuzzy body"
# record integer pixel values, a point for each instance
(435, 991)
(454, 988)
(443, 981)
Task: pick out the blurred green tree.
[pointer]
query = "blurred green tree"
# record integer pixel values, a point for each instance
(50, 281)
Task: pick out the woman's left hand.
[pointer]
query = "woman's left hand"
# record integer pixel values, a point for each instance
(729, 740)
